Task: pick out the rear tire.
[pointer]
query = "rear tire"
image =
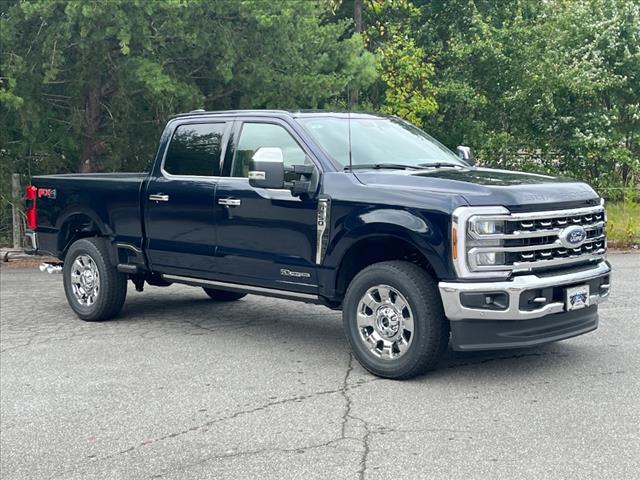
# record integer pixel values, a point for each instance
(223, 295)
(394, 320)
(95, 290)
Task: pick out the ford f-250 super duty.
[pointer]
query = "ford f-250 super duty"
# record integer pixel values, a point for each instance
(358, 212)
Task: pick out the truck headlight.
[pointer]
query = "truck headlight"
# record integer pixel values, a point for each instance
(482, 234)
(478, 242)
(487, 227)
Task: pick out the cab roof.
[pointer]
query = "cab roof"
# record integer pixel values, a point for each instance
(280, 114)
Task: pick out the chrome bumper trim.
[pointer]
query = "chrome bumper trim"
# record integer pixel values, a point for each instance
(454, 310)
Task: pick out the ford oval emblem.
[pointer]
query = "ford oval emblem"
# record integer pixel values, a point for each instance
(572, 237)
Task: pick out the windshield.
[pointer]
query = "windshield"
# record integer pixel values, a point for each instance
(377, 141)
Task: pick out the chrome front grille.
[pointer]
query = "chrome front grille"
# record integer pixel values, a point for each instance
(555, 224)
(493, 242)
(533, 241)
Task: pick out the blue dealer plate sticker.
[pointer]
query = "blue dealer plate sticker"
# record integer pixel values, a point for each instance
(577, 297)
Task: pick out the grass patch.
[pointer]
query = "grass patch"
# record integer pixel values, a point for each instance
(623, 225)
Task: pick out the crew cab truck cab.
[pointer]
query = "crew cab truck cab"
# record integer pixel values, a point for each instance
(358, 212)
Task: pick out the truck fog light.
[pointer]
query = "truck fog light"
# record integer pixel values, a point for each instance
(485, 301)
(489, 258)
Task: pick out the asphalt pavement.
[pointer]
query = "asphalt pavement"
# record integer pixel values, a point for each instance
(179, 387)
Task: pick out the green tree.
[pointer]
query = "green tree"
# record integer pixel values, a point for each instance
(542, 85)
(88, 85)
(404, 72)
(545, 86)
(594, 108)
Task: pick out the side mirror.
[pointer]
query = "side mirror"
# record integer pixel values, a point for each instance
(466, 154)
(266, 169)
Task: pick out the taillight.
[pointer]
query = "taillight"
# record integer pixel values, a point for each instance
(30, 196)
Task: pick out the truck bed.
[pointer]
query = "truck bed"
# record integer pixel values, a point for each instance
(111, 199)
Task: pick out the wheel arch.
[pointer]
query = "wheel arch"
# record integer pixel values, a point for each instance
(374, 248)
(76, 224)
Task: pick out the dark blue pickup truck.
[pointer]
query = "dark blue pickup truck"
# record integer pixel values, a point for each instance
(358, 212)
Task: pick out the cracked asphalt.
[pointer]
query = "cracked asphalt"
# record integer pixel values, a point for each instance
(179, 387)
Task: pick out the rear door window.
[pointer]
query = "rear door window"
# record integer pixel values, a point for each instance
(195, 150)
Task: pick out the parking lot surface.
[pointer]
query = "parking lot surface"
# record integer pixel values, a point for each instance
(179, 387)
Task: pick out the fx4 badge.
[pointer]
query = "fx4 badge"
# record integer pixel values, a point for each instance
(47, 192)
(290, 273)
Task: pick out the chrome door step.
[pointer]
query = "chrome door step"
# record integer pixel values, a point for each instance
(237, 287)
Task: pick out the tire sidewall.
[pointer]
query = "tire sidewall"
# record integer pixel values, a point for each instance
(407, 362)
(87, 247)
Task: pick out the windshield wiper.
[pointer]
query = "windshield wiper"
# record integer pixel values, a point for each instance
(401, 166)
(378, 166)
(440, 164)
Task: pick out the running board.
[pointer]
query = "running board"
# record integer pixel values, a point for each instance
(237, 287)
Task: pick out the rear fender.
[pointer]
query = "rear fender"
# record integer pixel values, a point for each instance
(79, 222)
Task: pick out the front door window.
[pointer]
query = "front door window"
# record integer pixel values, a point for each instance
(256, 135)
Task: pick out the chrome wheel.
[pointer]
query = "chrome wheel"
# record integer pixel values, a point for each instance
(85, 280)
(385, 322)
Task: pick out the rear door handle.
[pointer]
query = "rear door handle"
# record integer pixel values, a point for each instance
(229, 202)
(159, 197)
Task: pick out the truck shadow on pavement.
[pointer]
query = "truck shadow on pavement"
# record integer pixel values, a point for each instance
(302, 326)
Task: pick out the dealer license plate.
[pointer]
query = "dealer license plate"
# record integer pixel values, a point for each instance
(577, 297)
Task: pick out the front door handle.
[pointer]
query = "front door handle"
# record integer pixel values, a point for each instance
(159, 197)
(229, 202)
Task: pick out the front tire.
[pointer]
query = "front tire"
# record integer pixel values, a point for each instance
(94, 288)
(223, 295)
(394, 320)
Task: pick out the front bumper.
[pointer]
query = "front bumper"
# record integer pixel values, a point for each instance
(468, 335)
(524, 321)
(518, 286)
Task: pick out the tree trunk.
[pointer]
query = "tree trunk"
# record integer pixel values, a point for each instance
(357, 15)
(91, 146)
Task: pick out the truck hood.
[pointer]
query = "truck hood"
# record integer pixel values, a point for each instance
(517, 191)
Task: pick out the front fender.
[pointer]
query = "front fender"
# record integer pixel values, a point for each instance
(426, 231)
